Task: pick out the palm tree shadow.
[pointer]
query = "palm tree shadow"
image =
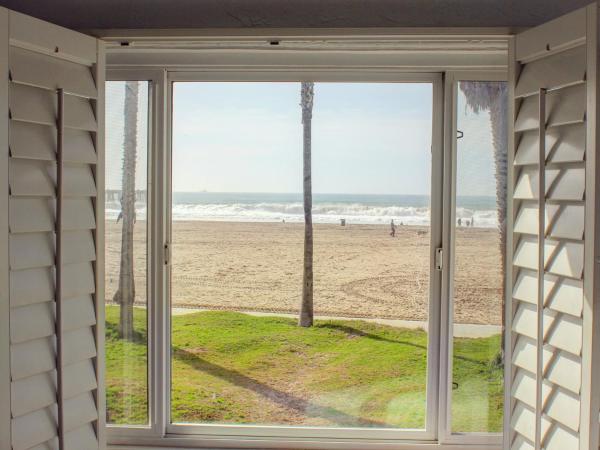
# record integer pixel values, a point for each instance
(351, 331)
(356, 332)
(277, 396)
(113, 329)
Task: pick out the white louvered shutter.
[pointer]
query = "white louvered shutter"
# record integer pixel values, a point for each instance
(553, 315)
(48, 254)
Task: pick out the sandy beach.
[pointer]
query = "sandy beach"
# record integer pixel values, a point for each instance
(360, 270)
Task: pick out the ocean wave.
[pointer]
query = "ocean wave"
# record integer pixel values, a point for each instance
(323, 213)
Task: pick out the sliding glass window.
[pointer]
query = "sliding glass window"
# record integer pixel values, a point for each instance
(126, 252)
(479, 233)
(300, 279)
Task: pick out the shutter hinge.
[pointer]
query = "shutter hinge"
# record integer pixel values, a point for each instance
(167, 254)
(439, 259)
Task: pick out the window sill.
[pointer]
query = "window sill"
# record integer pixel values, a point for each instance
(178, 442)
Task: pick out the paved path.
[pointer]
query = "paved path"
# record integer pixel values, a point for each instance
(460, 330)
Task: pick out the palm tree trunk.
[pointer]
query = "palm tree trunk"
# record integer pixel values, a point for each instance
(125, 295)
(499, 119)
(493, 96)
(306, 307)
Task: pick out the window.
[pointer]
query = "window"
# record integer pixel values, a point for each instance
(126, 241)
(479, 240)
(239, 352)
(227, 268)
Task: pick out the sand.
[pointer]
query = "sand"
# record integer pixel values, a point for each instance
(359, 270)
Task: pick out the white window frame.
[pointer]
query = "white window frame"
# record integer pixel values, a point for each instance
(437, 432)
(451, 80)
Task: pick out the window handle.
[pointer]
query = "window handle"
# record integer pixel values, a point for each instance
(439, 259)
(167, 253)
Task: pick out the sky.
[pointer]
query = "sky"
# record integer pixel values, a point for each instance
(115, 96)
(367, 138)
(247, 137)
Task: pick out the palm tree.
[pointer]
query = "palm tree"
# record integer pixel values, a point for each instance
(306, 307)
(493, 97)
(125, 295)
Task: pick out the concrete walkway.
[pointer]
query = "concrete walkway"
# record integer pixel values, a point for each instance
(461, 330)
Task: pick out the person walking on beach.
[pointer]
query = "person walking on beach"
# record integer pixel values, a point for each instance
(393, 227)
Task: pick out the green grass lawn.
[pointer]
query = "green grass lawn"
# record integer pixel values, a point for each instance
(231, 367)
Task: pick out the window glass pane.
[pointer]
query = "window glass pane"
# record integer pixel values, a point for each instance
(239, 354)
(479, 239)
(372, 168)
(126, 235)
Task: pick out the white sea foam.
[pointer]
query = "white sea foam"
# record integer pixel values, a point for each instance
(323, 213)
(252, 208)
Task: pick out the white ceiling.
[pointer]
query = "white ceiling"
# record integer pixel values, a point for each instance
(88, 14)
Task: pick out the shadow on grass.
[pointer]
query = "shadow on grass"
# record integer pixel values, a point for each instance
(356, 332)
(277, 396)
(112, 329)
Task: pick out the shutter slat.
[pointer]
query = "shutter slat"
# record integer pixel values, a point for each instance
(39, 391)
(525, 288)
(560, 438)
(78, 246)
(30, 250)
(559, 70)
(567, 258)
(35, 141)
(33, 393)
(565, 371)
(31, 322)
(78, 280)
(523, 421)
(51, 73)
(564, 295)
(38, 356)
(525, 320)
(32, 141)
(570, 184)
(526, 253)
(79, 410)
(79, 345)
(78, 312)
(30, 104)
(569, 223)
(37, 320)
(82, 438)
(520, 443)
(34, 428)
(566, 334)
(527, 184)
(563, 144)
(523, 388)
(32, 358)
(563, 107)
(37, 178)
(566, 222)
(31, 214)
(31, 178)
(79, 377)
(78, 214)
(564, 408)
(31, 286)
(79, 181)
(524, 353)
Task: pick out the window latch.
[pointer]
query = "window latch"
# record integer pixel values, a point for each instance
(167, 254)
(439, 259)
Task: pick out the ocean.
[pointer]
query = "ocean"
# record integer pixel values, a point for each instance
(327, 208)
